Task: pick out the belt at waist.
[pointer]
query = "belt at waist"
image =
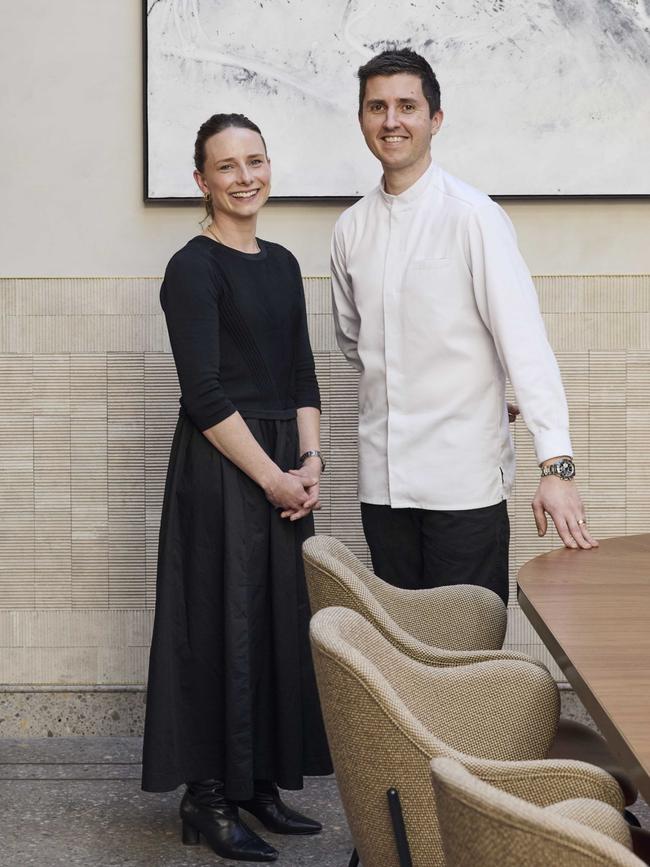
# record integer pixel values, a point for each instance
(278, 414)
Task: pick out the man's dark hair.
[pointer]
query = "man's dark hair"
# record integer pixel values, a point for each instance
(396, 61)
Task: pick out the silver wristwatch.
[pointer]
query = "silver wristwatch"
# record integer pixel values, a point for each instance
(312, 453)
(563, 469)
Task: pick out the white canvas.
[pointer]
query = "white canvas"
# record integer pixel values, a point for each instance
(541, 97)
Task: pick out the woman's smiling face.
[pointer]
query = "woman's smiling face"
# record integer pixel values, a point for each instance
(237, 172)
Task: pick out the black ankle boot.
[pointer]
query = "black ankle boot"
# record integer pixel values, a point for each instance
(205, 810)
(275, 815)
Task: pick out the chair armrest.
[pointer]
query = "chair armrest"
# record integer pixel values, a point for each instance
(502, 709)
(549, 781)
(327, 589)
(449, 658)
(597, 815)
(455, 617)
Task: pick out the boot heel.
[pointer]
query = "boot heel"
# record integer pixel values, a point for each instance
(190, 835)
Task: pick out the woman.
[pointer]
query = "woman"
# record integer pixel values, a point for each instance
(232, 707)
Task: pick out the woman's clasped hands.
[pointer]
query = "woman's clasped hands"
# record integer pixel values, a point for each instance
(296, 492)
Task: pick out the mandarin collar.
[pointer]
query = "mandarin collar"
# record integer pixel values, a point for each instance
(412, 193)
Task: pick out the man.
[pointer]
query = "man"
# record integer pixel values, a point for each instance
(435, 307)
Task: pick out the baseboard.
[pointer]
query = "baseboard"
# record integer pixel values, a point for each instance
(51, 711)
(113, 711)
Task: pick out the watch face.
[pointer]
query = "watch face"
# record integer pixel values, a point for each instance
(566, 469)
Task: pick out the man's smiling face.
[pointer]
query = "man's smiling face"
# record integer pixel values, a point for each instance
(396, 123)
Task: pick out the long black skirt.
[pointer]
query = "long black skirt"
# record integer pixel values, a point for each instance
(231, 692)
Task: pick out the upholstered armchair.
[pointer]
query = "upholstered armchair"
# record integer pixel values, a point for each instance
(387, 715)
(460, 618)
(482, 823)
(444, 626)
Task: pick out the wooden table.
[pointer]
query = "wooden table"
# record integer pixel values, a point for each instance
(592, 610)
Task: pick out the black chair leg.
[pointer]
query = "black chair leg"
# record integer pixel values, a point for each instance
(399, 829)
(354, 859)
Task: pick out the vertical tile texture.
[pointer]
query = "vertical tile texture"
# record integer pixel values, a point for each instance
(88, 404)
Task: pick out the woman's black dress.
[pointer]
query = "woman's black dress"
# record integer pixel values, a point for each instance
(231, 692)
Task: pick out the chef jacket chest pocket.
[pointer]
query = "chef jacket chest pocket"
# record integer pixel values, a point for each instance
(428, 294)
(426, 276)
(432, 264)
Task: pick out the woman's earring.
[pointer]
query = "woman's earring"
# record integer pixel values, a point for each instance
(207, 201)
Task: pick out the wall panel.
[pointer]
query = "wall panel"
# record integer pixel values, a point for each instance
(88, 404)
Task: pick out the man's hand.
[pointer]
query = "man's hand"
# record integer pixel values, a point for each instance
(309, 474)
(561, 500)
(513, 412)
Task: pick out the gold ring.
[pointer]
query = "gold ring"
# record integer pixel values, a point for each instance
(582, 521)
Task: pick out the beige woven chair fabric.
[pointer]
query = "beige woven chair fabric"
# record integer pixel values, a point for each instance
(336, 577)
(500, 709)
(387, 715)
(481, 825)
(452, 625)
(594, 814)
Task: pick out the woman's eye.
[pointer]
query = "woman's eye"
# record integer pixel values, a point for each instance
(256, 162)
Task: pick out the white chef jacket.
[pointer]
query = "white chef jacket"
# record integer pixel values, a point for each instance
(434, 305)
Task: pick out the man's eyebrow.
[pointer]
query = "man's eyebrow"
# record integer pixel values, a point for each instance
(399, 99)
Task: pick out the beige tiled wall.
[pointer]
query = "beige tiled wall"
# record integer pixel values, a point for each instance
(88, 400)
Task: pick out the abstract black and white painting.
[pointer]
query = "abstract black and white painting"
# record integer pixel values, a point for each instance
(541, 97)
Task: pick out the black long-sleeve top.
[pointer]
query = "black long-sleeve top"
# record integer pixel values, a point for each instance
(238, 330)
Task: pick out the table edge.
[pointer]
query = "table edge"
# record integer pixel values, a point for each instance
(619, 745)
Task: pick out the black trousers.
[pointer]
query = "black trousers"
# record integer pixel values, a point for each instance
(417, 548)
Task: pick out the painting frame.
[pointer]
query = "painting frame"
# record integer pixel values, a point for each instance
(182, 200)
(185, 201)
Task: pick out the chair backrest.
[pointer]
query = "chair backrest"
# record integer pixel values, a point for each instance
(381, 710)
(481, 824)
(336, 577)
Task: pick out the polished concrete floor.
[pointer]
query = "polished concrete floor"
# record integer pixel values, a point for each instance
(77, 801)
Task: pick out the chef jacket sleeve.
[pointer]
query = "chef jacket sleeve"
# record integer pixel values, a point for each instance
(346, 315)
(508, 305)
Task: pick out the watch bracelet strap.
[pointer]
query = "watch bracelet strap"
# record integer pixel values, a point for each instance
(312, 453)
(553, 470)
